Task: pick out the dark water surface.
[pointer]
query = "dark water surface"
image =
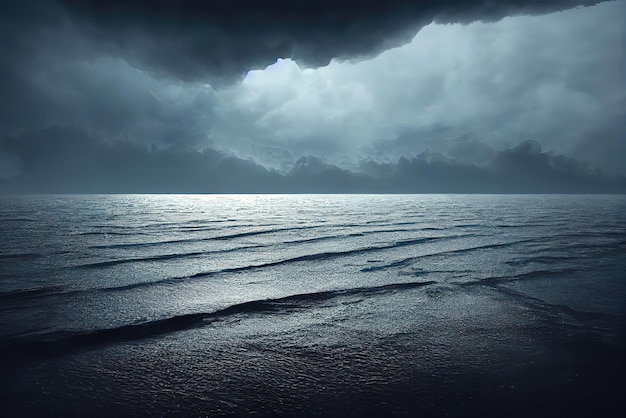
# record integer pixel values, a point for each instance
(438, 305)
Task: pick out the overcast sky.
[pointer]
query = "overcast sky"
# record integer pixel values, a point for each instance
(351, 86)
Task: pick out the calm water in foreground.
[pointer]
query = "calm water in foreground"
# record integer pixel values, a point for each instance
(439, 305)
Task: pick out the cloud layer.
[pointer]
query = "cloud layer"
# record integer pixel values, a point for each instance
(70, 160)
(143, 74)
(219, 42)
(466, 91)
(194, 39)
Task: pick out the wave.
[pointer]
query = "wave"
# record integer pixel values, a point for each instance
(177, 224)
(20, 294)
(303, 258)
(351, 235)
(59, 342)
(253, 233)
(321, 256)
(20, 256)
(546, 259)
(409, 260)
(605, 246)
(127, 245)
(245, 268)
(470, 226)
(591, 234)
(264, 232)
(607, 321)
(535, 274)
(203, 239)
(205, 274)
(112, 233)
(583, 249)
(111, 226)
(543, 273)
(502, 225)
(162, 257)
(201, 228)
(522, 225)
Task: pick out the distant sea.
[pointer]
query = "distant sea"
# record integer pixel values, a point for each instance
(312, 305)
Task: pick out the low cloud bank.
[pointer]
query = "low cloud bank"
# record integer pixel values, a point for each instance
(72, 160)
(221, 41)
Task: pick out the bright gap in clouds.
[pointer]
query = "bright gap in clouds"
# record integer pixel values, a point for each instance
(274, 73)
(456, 91)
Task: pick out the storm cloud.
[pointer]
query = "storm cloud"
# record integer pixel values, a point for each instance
(218, 42)
(71, 160)
(345, 85)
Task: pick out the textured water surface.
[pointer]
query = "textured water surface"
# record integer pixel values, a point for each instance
(458, 305)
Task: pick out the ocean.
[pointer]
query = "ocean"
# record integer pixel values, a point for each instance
(312, 305)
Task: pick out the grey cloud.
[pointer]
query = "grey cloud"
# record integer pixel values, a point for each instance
(10, 165)
(552, 78)
(458, 90)
(455, 93)
(72, 160)
(220, 41)
(107, 95)
(68, 159)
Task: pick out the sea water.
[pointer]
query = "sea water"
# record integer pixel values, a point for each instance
(360, 305)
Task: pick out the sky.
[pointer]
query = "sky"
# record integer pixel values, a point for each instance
(313, 96)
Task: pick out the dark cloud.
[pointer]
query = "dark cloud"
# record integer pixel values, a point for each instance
(69, 159)
(220, 41)
(521, 169)
(104, 94)
(134, 74)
